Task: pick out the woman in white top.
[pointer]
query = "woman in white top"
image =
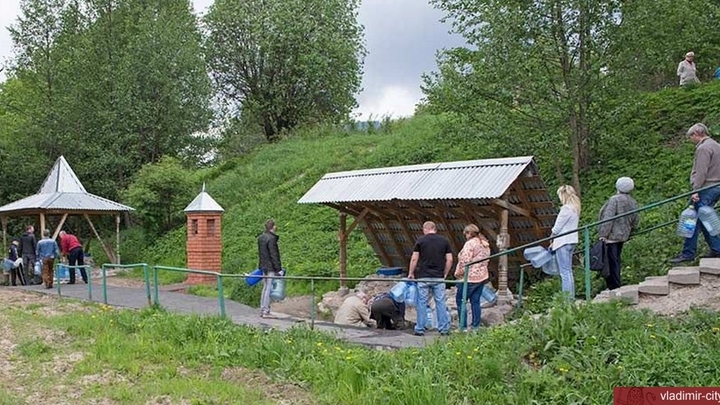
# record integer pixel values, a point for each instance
(563, 246)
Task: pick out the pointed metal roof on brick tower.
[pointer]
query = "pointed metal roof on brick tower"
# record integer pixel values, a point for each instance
(61, 179)
(204, 203)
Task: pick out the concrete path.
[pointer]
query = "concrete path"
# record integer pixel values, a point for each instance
(178, 302)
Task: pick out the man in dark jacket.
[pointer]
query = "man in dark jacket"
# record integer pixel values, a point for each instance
(28, 245)
(269, 263)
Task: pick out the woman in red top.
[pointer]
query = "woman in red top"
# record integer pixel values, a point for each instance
(476, 248)
(72, 249)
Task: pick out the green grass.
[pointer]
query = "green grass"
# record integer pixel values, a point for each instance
(575, 354)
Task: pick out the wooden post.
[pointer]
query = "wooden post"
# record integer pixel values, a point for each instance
(42, 223)
(342, 237)
(503, 242)
(60, 225)
(108, 252)
(117, 239)
(4, 220)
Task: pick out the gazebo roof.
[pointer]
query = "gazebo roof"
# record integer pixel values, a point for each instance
(393, 202)
(62, 192)
(203, 202)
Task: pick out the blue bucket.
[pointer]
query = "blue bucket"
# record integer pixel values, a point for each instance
(390, 271)
(252, 278)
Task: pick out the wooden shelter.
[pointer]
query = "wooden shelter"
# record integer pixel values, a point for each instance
(61, 195)
(505, 197)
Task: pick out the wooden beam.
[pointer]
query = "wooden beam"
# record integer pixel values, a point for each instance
(514, 208)
(357, 219)
(42, 223)
(4, 220)
(108, 251)
(117, 239)
(503, 243)
(343, 251)
(59, 227)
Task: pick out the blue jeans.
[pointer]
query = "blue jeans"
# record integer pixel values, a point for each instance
(437, 286)
(564, 259)
(474, 291)
(707, 198)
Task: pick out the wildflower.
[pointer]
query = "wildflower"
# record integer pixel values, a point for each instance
(650, 325)
(620, 367)
(457, 353)
(715, 329)
(324, 351)
(469, 357)
(562, 369)
(348, 357)
(319, 344)
(652, 336)
(477, 349)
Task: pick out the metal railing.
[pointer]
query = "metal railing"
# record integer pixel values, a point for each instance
(60, 266)
(586, 240)
(152, 281)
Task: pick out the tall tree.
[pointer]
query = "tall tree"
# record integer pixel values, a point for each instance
(542, 72)
(282, 63)
(116, 83)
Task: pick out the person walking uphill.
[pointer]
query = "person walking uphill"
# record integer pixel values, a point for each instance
(687, 70)
(615, 233)
(72, 249)
(563, 246)
(47, 251)
(430, 264)
(269, 263)
(705, 172)
(28, 247)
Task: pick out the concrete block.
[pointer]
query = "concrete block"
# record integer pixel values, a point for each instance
(655, 286)
(684, 275)
(710, 266)
(626, 292)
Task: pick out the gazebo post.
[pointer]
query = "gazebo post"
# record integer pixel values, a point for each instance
(4, 220)
(342, 236)
(42, 223)
(503, 241)
(117, 239)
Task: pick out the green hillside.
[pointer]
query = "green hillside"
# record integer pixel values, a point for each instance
(644, 141)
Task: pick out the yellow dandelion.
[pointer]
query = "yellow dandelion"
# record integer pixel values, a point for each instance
(469, 357)
(348, 357)
(619, 367)
(457, 353)
(319, 344)
(716, 329)
(652, 336)
(477, 349)
(650, 325)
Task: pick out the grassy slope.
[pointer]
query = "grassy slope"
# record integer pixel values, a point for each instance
(574, 355)
(644, 139)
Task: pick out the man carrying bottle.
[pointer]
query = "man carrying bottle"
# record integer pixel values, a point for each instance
(705, 172)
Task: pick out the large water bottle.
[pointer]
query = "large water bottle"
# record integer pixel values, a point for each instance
(686, 225)
(709, 219)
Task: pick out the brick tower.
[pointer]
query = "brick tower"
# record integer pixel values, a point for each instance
(204, 237)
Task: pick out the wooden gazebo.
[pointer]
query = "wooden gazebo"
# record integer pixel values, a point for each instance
(61, 195)
(505, 197)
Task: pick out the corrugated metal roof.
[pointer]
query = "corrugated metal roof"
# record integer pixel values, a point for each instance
(63, 191)
(203, 202)
(472, 179)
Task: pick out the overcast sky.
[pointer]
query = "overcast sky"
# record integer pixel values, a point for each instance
(402, 37)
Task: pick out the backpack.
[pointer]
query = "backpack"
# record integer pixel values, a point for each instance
(598, 257)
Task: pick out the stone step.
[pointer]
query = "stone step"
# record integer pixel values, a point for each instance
(684, 275)
(710, 266)
(655, 286)
(628, 292)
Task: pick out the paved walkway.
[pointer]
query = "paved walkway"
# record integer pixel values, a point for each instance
(129, 297)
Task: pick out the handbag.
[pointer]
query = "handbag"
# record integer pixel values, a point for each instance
(599, 258)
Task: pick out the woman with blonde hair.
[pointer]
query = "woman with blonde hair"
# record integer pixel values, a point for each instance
(476, 248)
(567, 220)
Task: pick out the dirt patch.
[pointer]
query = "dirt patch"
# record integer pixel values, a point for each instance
(284, 394)
(682, 298)
(297, 307)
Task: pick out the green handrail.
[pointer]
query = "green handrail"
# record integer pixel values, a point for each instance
(586, 237)
(87, 268)
(146, 277)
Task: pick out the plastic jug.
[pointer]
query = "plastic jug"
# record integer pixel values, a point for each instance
(277, 293)
(709, 219)
(687, 222)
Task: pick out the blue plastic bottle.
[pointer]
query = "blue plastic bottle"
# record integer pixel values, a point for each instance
(687, 222)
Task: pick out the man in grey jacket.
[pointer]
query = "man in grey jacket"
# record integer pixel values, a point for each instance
(616, 232)
(705, 172)
(269, 263)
